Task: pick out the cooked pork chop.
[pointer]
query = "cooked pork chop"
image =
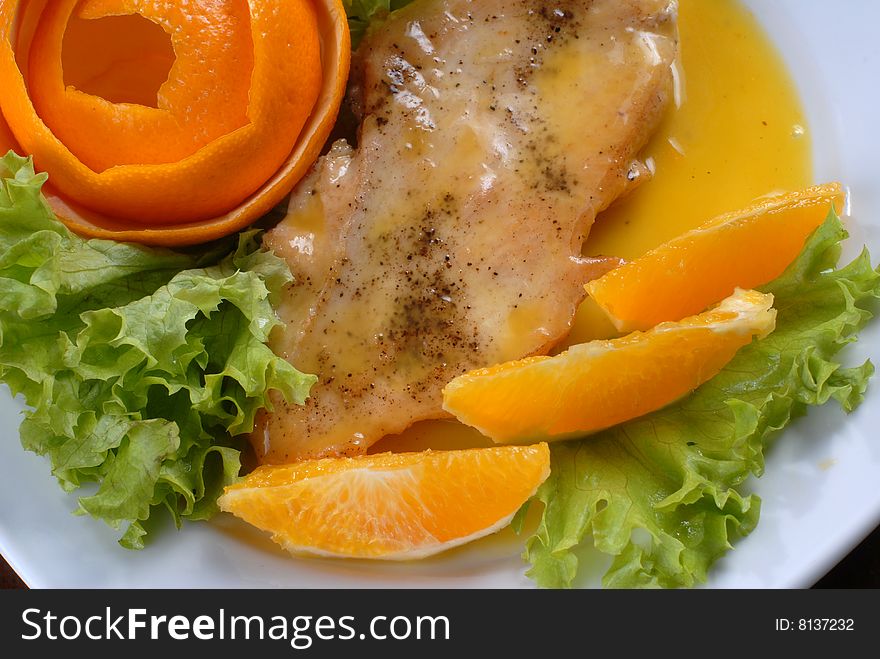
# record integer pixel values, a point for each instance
(492, 133)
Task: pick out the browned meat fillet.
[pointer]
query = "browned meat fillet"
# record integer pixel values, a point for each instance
(493, 132)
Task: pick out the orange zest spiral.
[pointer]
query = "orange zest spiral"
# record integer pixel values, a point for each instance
(170, 143)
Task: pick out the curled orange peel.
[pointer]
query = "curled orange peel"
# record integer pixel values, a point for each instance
(7, 139)
(245, 155)
(103, 134)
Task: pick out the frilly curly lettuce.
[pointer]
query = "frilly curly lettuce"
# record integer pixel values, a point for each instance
(139, 365)
(362, 13)
(659, 493)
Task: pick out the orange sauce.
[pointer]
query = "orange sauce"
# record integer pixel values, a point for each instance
(736, 132)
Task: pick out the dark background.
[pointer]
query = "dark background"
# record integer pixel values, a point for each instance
(861, 569)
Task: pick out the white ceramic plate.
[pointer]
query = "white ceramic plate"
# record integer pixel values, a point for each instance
(820, 494)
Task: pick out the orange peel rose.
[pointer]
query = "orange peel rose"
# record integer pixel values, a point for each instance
(251, 94)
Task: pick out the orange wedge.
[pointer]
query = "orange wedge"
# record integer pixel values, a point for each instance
(596, 385)
(251, 96)
(394, 506)
(743, 249)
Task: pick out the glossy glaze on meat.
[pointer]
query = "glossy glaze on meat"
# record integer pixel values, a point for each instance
(492, 133)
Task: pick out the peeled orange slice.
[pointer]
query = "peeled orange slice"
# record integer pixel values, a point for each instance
(596, 385)
(395, 506)
(745, 249)
(252, 94)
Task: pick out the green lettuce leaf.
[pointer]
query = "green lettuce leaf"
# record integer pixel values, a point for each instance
(139, 365)
(362, 13)
(659, 493)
